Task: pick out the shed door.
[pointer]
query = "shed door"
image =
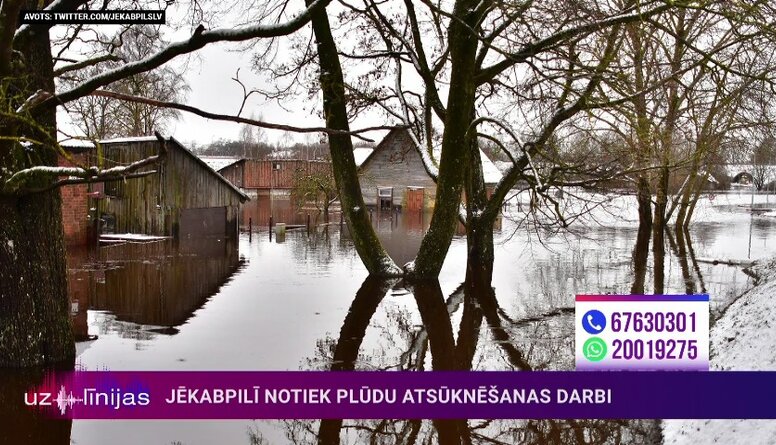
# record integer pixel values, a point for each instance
(415, 198)
(210, 221)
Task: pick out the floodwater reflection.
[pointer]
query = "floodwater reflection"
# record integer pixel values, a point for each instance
(305, 304)
(154, 285)
(435, 342)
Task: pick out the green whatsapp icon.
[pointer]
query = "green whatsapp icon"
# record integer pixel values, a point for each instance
(594, 349)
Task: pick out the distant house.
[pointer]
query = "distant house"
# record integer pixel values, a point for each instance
(393, 174)
(183, 198)
(272, 176)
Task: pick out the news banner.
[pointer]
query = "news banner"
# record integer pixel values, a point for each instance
(637, 357)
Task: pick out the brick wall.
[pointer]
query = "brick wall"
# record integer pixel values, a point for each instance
(75, 208)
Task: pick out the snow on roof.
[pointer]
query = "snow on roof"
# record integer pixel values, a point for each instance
(491, 174)
(361, 154)
(218, 163)
(76, 143)
(734, 169)
(129, 139)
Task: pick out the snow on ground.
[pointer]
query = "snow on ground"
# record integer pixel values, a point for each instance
(617, 210)
(743, 339)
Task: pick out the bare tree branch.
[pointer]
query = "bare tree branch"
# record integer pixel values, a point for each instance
(86, 63)
(199, 39)
(240, 119)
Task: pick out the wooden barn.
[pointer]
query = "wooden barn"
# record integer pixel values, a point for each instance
(183, 198)
(392, 175)
(260, 177)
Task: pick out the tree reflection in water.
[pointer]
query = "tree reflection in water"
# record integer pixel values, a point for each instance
(505, 343)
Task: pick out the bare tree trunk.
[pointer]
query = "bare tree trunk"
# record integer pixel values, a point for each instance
(644, 198)
(479, 228)
(661, 200)
(352, 333)
(642, 128)
(687, 194)
(667, 139)
(343, 163)
(693, 201)
(640, 257)
(34, 311)
(454, 160)
(659, 257)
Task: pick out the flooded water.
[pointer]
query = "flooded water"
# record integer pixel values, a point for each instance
(303, 302)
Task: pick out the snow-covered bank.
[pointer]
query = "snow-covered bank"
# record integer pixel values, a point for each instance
(743, 339)
(583, 208)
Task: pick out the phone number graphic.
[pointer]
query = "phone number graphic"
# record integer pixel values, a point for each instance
(659, 349)
(653, 322)
(642, 332)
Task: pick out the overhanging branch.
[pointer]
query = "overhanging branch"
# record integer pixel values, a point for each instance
(198, 39)
(42, 178)
(240, 119)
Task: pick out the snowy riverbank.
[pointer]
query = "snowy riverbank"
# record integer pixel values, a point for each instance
(743, 339)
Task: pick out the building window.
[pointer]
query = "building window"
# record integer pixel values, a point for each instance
(114, 189)
(276, 166)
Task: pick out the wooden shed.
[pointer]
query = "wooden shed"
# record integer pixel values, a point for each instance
(393, 174)
(260, 176)
(184, 198)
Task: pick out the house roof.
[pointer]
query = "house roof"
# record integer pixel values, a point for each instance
(243, 196)
(361, 154)
(735, 169)
(82, 145)
(491, 173)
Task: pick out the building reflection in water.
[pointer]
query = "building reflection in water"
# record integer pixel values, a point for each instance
(154, 285)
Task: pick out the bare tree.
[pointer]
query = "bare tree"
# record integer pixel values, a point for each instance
(34, 322)
(102, 117)
(763, 161)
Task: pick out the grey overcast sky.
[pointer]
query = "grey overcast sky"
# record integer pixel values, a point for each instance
(209, 73)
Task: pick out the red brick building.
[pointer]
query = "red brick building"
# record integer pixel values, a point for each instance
(75, 204)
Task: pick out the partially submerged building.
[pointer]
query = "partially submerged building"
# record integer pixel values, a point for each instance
(393, 175)
(270, 176)
(184, 197)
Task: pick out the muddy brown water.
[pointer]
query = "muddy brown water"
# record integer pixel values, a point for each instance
(283, 304)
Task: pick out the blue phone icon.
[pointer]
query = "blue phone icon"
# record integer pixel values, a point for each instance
(594, 322)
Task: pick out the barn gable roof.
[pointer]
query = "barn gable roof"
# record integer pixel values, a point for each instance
(81, 145)
(219, 163)
(491, 173)
(243, 196)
